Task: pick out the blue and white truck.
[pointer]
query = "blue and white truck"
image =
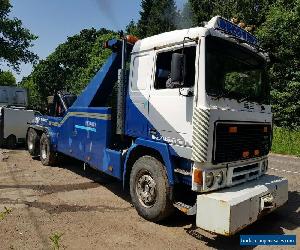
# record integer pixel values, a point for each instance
(183, 110)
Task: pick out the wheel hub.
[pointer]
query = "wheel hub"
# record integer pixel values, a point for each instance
(146, 189)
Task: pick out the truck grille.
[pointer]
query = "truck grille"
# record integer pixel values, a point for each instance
(243, 173)
(235, 142)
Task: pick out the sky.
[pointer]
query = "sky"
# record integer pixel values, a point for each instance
(54, 20)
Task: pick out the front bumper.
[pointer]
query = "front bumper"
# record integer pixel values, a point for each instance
(229, 210)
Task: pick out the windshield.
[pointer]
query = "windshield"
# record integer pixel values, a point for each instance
(235, 72)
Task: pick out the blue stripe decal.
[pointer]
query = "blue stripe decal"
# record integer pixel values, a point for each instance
(85, 128)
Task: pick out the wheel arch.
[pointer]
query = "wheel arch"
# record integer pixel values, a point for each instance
(143, 147)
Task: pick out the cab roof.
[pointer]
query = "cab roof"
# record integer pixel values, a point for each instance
(167, 38)
(217, 26)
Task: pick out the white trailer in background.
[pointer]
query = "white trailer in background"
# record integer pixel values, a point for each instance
(14, 117)
(13, 96)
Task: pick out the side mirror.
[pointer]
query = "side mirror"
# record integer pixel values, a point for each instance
(178, 67)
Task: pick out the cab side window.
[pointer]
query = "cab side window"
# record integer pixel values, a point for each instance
(163, 69)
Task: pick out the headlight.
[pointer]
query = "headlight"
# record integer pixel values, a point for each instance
(209, 179)
(219, 177)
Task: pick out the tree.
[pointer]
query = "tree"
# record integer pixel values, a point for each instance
(202, 11)
(157, 16)
(142, 25)
(252, 12)
(281, 38)
(7, 79)
(56, 72)
(96, 59)
(186, 16)
(34, 97)
(70, 67)
(15, 41)
(132, 29)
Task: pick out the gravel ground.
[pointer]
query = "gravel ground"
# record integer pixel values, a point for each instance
(91, 211)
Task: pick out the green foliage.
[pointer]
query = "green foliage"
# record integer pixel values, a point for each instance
(142, 25)
(286, 141)
(96, 59)
(15, 40)
(251, 12)
(7, 78)
(34, 97)
(280, 36)
(6, 212)
(186, 16)
(132, 29)
(70, 67)
(55, 239)
(157, 16)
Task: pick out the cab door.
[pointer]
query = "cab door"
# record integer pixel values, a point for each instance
(171, 104)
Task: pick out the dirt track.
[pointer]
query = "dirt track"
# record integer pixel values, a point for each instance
(93, 212)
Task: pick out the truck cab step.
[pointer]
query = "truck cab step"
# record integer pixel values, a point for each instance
(183, 172)
(185, 208)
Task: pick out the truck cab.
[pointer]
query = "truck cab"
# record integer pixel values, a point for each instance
(192, 109)
(218, 116)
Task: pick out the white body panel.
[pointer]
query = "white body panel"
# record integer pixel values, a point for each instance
(13, 96)
(166, 110)
(173, 126)
(15, 122)
(230, 210)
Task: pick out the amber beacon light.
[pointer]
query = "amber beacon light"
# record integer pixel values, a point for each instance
(131, 39)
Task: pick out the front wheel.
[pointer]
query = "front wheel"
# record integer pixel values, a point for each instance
(149, 189)
(47, 156)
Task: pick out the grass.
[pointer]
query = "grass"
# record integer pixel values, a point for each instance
(6, 212)
(55, 239)
(286, 141)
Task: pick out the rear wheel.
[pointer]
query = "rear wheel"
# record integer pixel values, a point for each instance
(11, 142)
(149, 189)
(33, 142)
(47, 156)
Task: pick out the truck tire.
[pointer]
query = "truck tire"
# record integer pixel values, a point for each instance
(149, 189)
(33, 142)
(47, 156)
(11, 142)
